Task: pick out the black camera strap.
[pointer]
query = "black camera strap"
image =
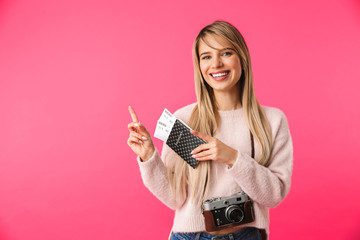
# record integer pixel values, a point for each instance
(252, 145)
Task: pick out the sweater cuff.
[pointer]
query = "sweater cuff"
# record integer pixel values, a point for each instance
(241, 164)
(149, 168)
(150, 160)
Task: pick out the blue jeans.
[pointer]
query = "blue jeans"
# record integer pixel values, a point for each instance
(249, 233)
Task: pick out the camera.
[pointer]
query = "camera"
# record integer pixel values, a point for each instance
(221, 213)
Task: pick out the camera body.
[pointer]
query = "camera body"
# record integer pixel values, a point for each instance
(221, 213)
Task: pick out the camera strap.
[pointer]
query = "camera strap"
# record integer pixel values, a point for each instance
(252, 145)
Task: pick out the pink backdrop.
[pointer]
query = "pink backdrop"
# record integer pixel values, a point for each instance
(69, 69)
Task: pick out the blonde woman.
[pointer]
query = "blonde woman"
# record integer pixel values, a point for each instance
(248, 149)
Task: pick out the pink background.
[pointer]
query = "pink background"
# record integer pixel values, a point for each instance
(69, 69)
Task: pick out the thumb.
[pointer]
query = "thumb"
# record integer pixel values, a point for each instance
(203, 136)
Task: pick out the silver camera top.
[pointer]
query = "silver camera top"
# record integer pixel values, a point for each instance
(222, 202)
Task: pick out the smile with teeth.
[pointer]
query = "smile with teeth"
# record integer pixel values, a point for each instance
(216, 75)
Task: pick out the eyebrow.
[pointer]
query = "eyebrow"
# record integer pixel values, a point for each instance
(217, 49)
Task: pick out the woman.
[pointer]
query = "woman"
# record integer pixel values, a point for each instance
(248, 149)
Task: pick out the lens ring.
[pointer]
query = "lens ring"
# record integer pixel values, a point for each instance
(234, 214)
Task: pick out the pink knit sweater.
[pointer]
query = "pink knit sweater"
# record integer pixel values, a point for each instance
(267, 186)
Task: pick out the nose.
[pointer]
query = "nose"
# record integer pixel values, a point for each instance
(217, 62)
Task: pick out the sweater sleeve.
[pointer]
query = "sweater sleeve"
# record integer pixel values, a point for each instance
(154, 176)
(267, 185)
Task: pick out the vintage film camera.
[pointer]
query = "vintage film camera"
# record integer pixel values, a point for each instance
(221, 213)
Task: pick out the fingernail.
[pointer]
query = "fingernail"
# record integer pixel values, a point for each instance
(144, 138)
(192, 131)
(192, 152)
(193, 156)
(140, 141)
(135, 124)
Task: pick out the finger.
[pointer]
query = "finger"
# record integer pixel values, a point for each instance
(200, 148)
(202, 154)
(203, 136)
(133, 114)
(205, 158)
(139, 136)
(138, 127)
(141, 128)
(135, 140)
(132, 126)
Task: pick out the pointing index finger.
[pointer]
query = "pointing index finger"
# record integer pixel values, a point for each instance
(133, 114)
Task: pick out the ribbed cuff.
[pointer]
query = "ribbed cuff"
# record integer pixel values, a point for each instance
(151, 159)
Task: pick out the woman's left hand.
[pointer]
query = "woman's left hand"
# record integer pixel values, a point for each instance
(214, 150)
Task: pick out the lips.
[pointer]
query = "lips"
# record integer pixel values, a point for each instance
(220, 75)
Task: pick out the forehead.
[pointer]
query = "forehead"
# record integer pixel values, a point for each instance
(213, 42)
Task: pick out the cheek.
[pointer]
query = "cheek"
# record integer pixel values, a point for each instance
(203, 69)
(237, 66)
(234, 62)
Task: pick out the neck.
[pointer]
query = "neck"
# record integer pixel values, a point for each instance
(228, 100)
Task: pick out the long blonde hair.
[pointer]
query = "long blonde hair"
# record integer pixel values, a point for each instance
(185, 181)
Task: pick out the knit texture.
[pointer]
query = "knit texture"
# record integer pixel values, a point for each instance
(267, 186)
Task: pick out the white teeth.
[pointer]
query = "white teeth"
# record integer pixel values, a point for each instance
(220, 74)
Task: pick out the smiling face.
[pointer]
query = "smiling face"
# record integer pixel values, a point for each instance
(219, 64)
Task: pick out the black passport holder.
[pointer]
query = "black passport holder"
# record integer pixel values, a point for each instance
(183, 142)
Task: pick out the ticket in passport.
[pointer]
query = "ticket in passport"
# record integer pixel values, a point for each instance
(176, 134)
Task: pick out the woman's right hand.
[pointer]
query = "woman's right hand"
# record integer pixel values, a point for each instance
(139, 138)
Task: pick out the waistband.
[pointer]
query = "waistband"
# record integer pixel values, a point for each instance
(241, 234)
(230, 236)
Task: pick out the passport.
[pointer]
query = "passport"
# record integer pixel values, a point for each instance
(176, 134)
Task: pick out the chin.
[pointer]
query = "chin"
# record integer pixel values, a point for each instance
(221, 89)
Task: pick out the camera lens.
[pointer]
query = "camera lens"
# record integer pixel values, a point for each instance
(234, 214)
